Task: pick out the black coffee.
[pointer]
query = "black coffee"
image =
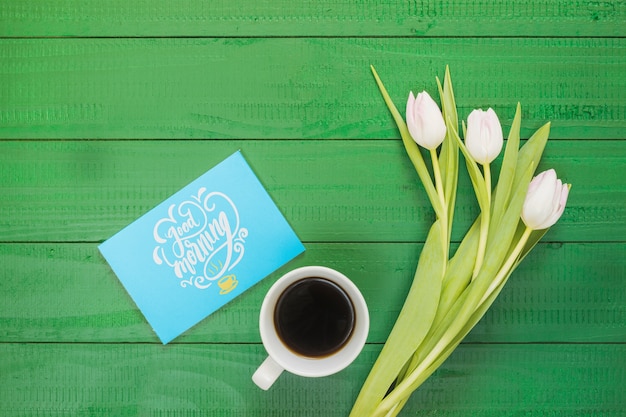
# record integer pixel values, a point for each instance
(314, 317)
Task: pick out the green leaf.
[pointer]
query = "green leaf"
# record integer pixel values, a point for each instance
(449, 156)
(535, 237)
(531, 152)
(448, 101)
(461, 304)
(411, 148)
(457, 277)
(451, 330)
(497, 247)
(459, 318)
(507, 172)
(459, 272)
(456, 340)
(495, 256)
(412, 325)
(478, 182)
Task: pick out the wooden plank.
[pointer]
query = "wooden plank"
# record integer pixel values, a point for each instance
(246, 88)
(305, 18)
(561, 293)
(275, 78)
(214, 380)
(330, 191)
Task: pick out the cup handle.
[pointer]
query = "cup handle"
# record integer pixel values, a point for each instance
(267, 373)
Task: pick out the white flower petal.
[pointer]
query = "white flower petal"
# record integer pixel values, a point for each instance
(545, 201)
(483, 138)
(425, 121)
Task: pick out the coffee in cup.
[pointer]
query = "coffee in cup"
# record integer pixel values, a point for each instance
(314, 322)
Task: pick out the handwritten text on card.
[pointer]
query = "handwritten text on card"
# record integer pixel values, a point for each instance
(201, 239)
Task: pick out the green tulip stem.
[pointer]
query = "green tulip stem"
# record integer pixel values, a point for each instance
(510, 263)
(403, 390)
(395, 410)
(400, 394)
(449, 296)
(411, 147)
(443, 214)
(484, 221)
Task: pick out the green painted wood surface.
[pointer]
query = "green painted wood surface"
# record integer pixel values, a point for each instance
(205, 380)
(264, 18)
(281, 87)
(108, 107)
(330, 191)
(570, 292)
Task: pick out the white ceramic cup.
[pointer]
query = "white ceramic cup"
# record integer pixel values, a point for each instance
(282, 358)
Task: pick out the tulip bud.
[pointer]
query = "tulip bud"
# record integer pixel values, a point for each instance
(425, 121)
(484, 135)
(545, 201)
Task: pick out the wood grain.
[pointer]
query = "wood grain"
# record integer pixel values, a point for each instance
(213, 380)
(117, 18)
(561, 293)
(246, 88)
(109, 107)
(330, 191)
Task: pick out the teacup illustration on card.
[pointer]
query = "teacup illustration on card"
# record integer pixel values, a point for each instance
(227, 284)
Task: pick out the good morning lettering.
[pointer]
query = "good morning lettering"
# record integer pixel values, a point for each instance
(201, 239)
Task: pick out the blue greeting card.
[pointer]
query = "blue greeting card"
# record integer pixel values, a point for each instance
(201, 248)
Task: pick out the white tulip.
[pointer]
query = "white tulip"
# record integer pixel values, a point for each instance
(484, 136)
(545, 201)
(425, 121)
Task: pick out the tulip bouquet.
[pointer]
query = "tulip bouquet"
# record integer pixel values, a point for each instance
(450, 294)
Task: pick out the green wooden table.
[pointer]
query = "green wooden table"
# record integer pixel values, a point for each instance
(108, 107)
